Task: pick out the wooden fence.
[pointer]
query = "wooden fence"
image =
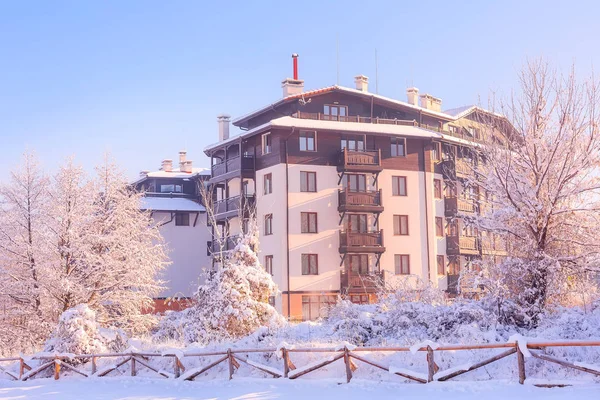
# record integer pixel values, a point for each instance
(349, 354)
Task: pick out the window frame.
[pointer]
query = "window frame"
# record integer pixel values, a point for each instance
(308, 215)
(309, 257)
(441, 271)
(269, 264)
(322, 301)
(357, 138)
(267, 148)
(180, 221)
(359, 178)
(268, 223)
(267, 184)
(395, 144)
(437, 188)
(362, 264)
(396, 185)
(436, 151)
(439, 227)
(399, 268)
(400, 218)
(306, 181)
(329, 116)
(360, 218)
(302, 135)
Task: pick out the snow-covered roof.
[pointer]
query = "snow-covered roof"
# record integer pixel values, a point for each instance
(175, 173)
(459, 111)
(289, 122)
(170, 204)
(347, 90)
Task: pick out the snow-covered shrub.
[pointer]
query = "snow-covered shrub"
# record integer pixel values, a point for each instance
(355, 323)
(233, 302)
(78, 332)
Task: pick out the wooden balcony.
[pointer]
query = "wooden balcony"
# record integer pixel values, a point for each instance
(232, 167)
(362, 201)
(457, 245)
(226, 244)
(233, 207)
(361, 242)
(360, 161)
(464, 169)
(354, 283)
(454, 206)
(354, 118)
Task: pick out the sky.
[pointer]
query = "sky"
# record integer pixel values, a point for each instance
(143, 79)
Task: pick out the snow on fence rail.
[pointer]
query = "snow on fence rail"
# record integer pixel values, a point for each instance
(136, 360)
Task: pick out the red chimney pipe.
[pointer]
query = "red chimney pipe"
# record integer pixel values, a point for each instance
(295, 58)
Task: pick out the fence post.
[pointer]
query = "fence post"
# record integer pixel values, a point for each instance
(21, 367)
(286, 367)
(230, 360)
(521, 363)
(347, 362)
(177, 369)
(132, 365)
(94, 366)
(56, 368)
(430, 364)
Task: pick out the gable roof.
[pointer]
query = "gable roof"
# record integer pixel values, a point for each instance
(367, 95)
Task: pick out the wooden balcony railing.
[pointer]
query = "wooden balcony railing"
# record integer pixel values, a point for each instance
(245, 162)
(462, 244)
(353, 282)
(370, 242)
(368, 200)
(365, 160)
(353, 118)
(224, 244)
(232, 204)
(464, 169)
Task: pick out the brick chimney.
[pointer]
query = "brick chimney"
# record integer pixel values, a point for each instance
(186, 166)
(362, 83)
(167, 165)
(431, 103)
(412, 96)
(223, 121)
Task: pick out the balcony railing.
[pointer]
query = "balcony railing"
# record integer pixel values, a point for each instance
(462, 245)
(464, 168)
(233, 204)
(365, 200)
(245, 162)
(454, 205)
(224, 244)
(353, 282)
(360, 161)
(354, 118)
(369, 242)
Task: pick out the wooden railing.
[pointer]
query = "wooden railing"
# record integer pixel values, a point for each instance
(225, 244)
(361, 239)
(467, 244)
(87, 365)
(364, 158)
(367, 198)
(233, 204)
(353, 118)
(232, 164)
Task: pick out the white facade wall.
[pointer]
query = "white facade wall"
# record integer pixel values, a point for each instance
(187, 252)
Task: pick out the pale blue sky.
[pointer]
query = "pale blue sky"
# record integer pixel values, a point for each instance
(144, 79)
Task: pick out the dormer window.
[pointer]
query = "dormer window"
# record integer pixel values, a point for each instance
(335, 112)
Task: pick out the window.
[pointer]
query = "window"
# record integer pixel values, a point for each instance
(355, 183)
(269, 264)
(398, 147)
(335, 112)
(357, 223)
(400, 224)
(308, 222)
(474, 132)
(308, 141)
(315, 307)
(308, 181)
(353, 143)
(359, 298)
(436, 152)
(268, 184)
(182, 219)
(358, 264)
(171, 188)
(272, 301)
(453, 266)
(452, 228)
(268, 224)
(402, 264)
(453, 129)
(441, 266)
(437, 188)
(439, 226)
(266, 143)
(310, 264)
(398, 185)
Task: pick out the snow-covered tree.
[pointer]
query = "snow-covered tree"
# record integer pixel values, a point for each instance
(233, 302)
(23, 254)
(542, 186)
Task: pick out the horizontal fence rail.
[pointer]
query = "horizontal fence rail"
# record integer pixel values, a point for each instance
(19, 368)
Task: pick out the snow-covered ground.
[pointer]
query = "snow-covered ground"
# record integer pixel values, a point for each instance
(266, 389)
